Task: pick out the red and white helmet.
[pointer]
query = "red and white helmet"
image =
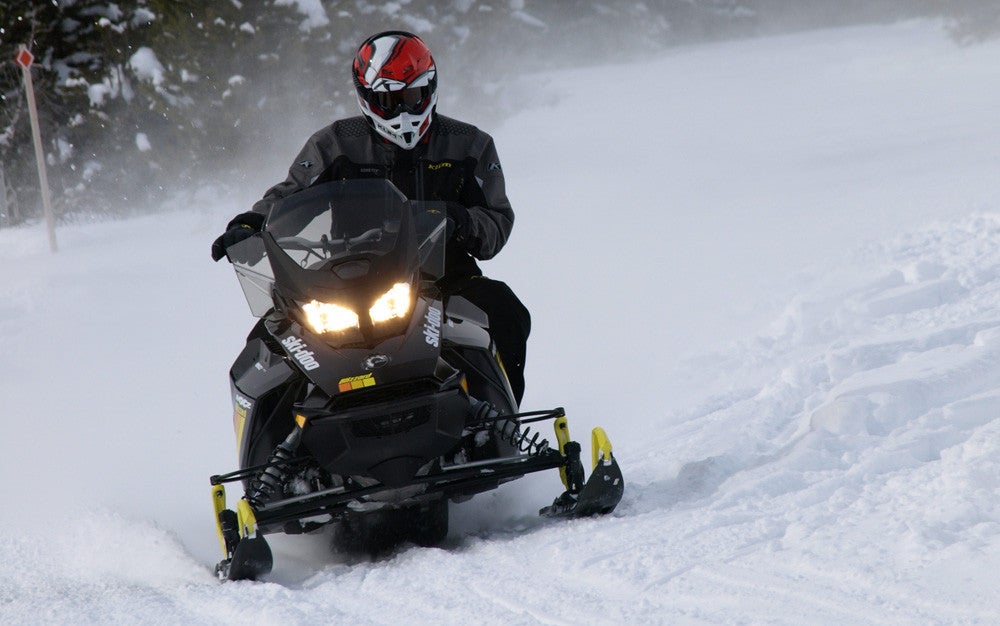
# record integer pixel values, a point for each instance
(396, 81)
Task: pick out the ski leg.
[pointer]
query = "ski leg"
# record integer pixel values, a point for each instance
(247, 555)
(219, 505)
(252, 556)
(600, 493)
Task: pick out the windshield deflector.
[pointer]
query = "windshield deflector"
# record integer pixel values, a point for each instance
(338, 236)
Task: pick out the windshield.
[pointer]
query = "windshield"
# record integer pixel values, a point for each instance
(340, 236)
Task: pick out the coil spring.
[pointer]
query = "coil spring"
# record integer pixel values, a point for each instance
(523, 438)
(272, 478)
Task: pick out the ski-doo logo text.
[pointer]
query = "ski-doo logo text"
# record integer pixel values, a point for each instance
(297, 349)
(432, 327)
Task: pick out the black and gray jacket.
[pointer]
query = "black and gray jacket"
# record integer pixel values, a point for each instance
(456, 163)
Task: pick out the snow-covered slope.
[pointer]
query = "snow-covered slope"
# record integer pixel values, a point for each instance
(771, 270)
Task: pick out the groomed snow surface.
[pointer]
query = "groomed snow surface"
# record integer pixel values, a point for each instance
(770, 269)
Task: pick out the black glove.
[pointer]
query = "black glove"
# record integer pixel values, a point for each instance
(458, 222)
(239, 228)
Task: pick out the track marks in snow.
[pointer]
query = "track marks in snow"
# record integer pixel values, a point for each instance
(862, 459)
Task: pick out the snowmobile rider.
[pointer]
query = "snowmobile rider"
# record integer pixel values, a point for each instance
(427, 156)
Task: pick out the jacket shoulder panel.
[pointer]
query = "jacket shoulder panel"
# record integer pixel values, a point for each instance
(351, 127)
(453, 139)
(451, 126)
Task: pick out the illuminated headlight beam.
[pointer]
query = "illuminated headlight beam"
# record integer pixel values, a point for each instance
(393, 304)
(328, 318)
(325, 317)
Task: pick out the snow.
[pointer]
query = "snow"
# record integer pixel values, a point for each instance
(98, 92)
(146, 66)
(771, 271)
(142, 16)
(312, 9)
(142, 142)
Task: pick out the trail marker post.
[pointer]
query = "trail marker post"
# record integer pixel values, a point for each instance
(24, 58)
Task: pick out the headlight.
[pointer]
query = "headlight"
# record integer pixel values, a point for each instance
(393, 303)
(327, 318)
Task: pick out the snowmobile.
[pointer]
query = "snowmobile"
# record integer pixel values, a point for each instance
(367, 400)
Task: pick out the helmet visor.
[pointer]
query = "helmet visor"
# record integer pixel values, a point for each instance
(392, 103)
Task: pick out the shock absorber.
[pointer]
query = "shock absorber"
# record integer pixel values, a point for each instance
(271, 479)
(521, 437)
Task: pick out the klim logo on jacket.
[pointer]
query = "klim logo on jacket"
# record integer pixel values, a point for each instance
(300, 352)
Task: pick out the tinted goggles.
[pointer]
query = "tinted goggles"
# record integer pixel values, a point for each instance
(392, 103)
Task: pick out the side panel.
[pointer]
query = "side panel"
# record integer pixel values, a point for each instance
(263, 387)
(469, 348)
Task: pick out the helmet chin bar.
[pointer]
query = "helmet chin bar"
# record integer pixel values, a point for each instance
(406, 129)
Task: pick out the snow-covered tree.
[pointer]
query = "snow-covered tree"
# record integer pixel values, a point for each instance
(140, 99)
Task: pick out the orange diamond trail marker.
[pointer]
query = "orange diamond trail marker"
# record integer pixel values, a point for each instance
(24, 58)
